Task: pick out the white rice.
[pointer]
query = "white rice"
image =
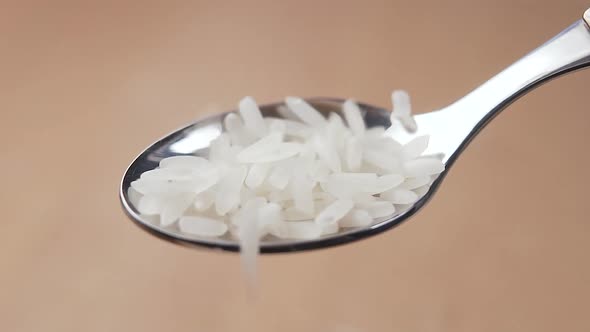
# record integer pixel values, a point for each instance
(174, 207)
(202, 226)
(400, 196)
(228, 190)
(252, 117)
(414, 148)
(300, 178)
(354, 118)
(356, 218)
(354, 154)
(256, 175)
(379, 209)
(334, 212)
(306, 113)
(402, 110)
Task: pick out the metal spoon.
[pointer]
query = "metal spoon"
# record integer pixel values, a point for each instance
(450, 129)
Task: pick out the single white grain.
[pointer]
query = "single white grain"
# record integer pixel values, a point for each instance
(151, 204)
(354, 154)
(190, 162)
(326, 152)
(268, 216)
(402, 110)
(204, 200)
(202, 226)
(423, 167)
(330, 229)
(235, 128)
(270, 142)
(256, 175)
(421, 191)
(175, 207)
(334, 212)
(286, 113)
(386, 162)
(386, 182)
(248, 233)
(302, 230)
(414, 148)
(294, 214)
(228, 191)
(379, 209)
(281, 152)
(253, 120)
(306, 112)
(220, 149)
(352, 113)
(134, 196)
(356, 218)
(399, 196)
(416, 182)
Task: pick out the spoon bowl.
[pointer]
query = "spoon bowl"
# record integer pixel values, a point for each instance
(450, 130)
(194, 140)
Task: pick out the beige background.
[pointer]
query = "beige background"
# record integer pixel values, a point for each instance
(85, 86)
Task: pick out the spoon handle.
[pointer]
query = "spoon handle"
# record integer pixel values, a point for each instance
(566, 52)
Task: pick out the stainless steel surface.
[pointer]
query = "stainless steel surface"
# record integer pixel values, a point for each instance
(451, 129)
(454, 126)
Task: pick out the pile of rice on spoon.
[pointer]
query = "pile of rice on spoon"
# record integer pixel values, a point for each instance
(300, 177)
